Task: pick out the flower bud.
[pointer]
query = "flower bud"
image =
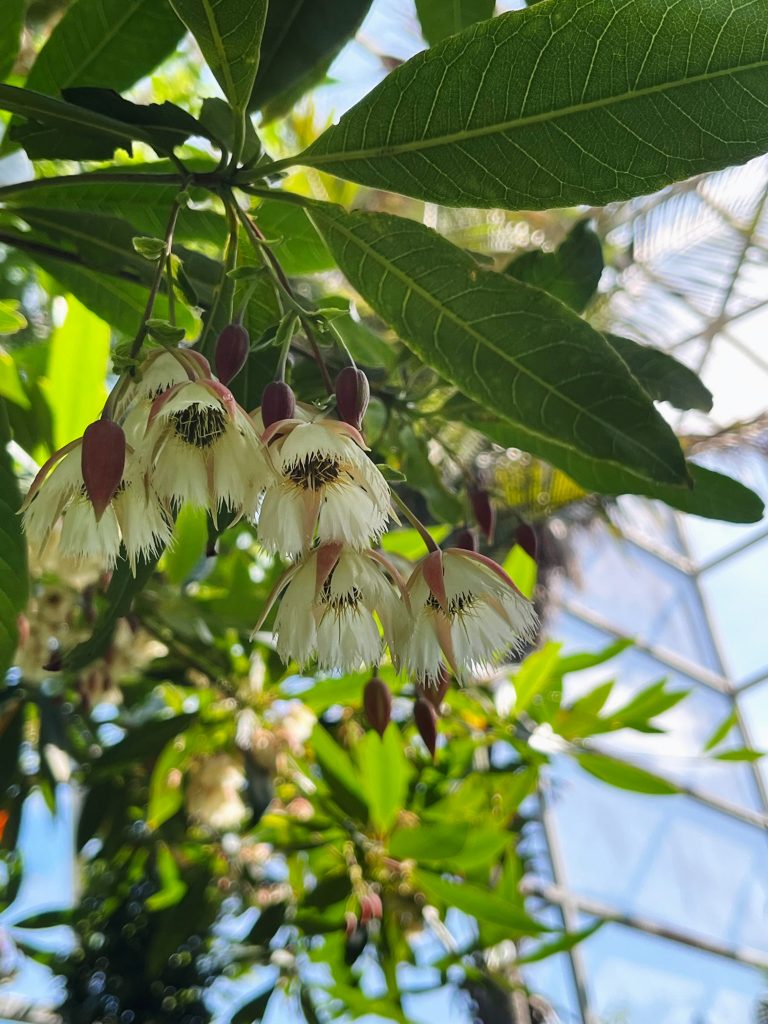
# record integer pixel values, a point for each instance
(377, 701)
(232, 347)
(426, 722)
(350, 923)
(370, 907)
(466, 539)
(352, 395)
(435, 694)
(485, 513)
(102, 462)
(525, 536)
(278, 402)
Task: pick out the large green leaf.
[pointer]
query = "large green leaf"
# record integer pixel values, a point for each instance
(713, 495)
(144, 203)
(11, 23)
(110, 43)
(58, 129)
(571, 273)
(384, 772)
(662, 376)
(570, 101)
(441, 18)
(485, 905)
(301, 38)
(229, 34)
(13, 551)
(513, 348)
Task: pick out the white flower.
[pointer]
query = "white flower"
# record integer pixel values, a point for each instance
(330, 609)
(160, 371)
(133, 516)
(296, 724)
(466, 610)
(213, 792)
(203, 449)
(324, 484)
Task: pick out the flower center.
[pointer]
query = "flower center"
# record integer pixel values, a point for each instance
(458, 604)
(314, 471)
(340, 602)
(199, 425)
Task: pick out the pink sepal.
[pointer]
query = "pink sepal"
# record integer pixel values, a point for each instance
(489, 564)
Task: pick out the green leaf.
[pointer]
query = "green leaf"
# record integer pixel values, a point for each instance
(511, 347)
(720, 733)
(409, 544)
(479, 903)
(534, 674)
(11, 24)
(11, 317)
(145, 740)
(625, 776)
(165, 800)
(384, 772)
(563, 944)
(458, 846)
(713, 495)
(522, 569)
(166, 124)
(568, 102)
(301, 38)
(10, 382)
(172, 888)
(190, 538)
(229, 35)
(652, 701)
(740, 754)
(108, 43)
(13, 551)
(339, 772)
(441, 18)
(571, 273)
(297, 244)
(75, 384)
(663, 377)
(218, 118)
(63, 130)
(591, 659)
(145, 203)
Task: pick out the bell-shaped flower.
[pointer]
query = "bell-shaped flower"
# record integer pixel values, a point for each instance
(202, 448)
(133, 514)
(333, 603)
(466, 612)
(324, 485)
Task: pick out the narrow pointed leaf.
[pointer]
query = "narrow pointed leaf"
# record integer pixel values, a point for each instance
(109, 43)
(511, 347)
(441, 18)
(229, 34)
(13, 551)
(301, 38)
(569, 101)
(571, 273)
(625, 776)
(11, 23)
(663, 377)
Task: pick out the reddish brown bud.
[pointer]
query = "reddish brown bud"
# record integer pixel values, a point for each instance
(467, 539)
(102, 462)
(370, 907)
(435, 694)
(525, 536)
(278, 402)
(352, 394)
(232, 348)
(426, 722)
(485, 513)
(377, 701)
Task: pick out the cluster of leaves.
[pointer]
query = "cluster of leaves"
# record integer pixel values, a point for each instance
(526, 111)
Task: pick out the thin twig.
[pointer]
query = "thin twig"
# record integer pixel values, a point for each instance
(141, 334)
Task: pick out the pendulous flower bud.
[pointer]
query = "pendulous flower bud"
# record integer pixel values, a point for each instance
(377, 701)
(352, 395)
(102, 462)
(466, 539)
(485, 513)
(525, 536)
(426, 722)
(278, 402)
(232, 347)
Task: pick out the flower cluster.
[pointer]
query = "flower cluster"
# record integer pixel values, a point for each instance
(173, 434)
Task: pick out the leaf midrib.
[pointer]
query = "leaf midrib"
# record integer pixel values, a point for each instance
(218, 44)
(506, 356)
(418, 145)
